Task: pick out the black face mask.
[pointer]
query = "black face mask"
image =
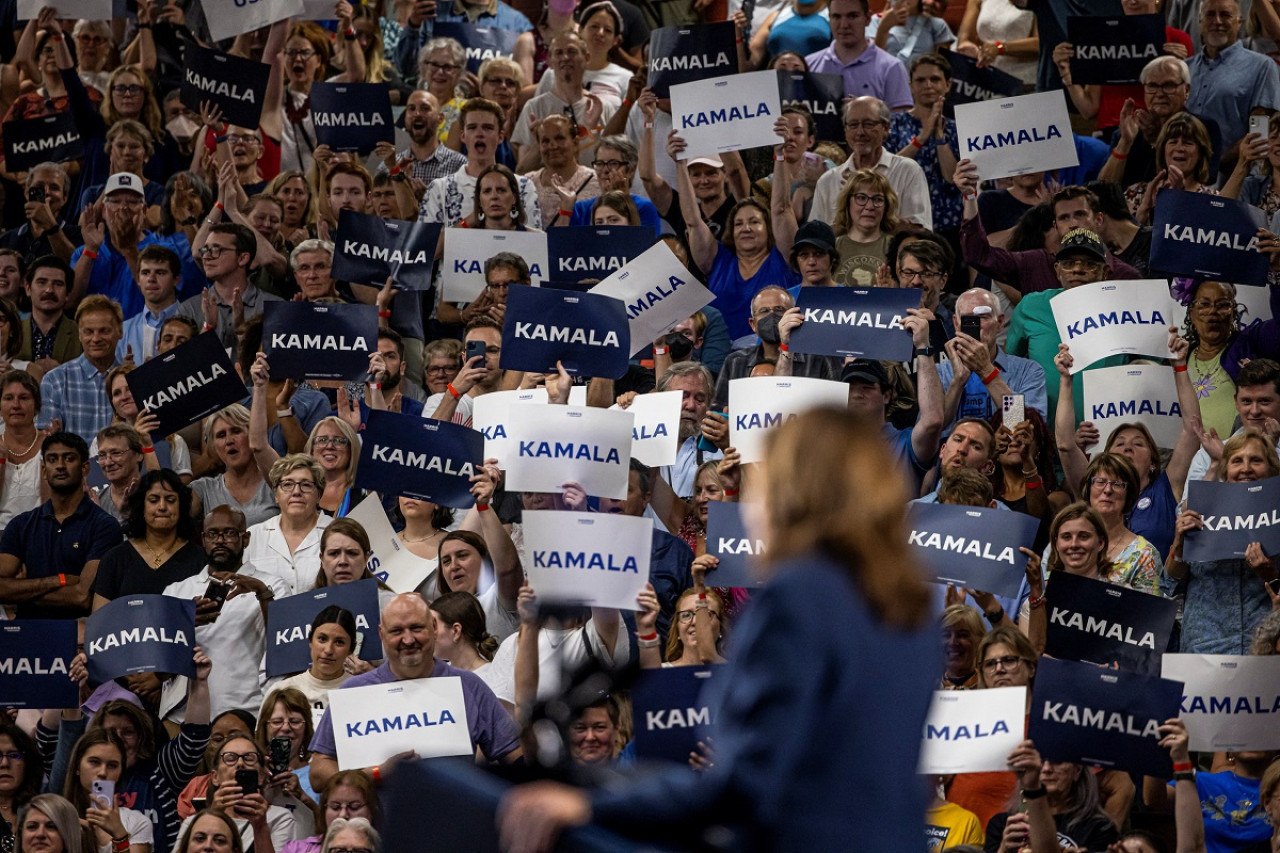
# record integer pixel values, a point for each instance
(680, 346)
(767, 329)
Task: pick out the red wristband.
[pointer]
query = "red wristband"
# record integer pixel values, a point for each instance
(453, 391)
(377, 775)
(1118, 155)
(647, 637)
(62, 580)
(1183, 767)
(915, 140)
(1179, 368)
(1033, 484)
(384, 314)
(207, 328)
(90, 254)
(730, 493)
(481, 507)
(564, 212)
(218, 205)
(151, 449)
(991, 377)
(783, 348)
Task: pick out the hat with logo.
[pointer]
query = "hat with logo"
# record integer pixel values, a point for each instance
(865, 370)
(126, 181)
(1082, 241)
(713, 161)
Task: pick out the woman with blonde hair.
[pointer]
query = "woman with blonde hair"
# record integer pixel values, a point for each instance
(49, 824)
(298, 203)
(336, 446)
(866, 219)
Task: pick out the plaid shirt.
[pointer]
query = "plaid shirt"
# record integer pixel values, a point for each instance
(75, 393)
(443, 161)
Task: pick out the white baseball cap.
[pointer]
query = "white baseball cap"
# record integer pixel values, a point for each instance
(126, 181)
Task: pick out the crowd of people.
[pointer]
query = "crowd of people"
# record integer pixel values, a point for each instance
(171, 223)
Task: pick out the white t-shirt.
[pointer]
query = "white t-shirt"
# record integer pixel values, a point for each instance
(558, 650)
(280, 822)
(316, 691)
(136, 826)
(269, 553)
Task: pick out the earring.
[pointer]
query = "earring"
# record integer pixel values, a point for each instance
(480, 215)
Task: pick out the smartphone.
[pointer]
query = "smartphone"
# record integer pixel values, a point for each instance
(705, 444)
(247, 781)
(280, 749)
(1260, 125)
(217, 591)
(1015, 409)
(35, 194)
(475, 349)
(1274, 586)
(103, 793)
(971, 325)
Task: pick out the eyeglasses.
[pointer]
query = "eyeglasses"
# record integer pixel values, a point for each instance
(776, 311)
(923, 275)
(212, 250)
(305, 487)
(442, 66)
(1165, 88)
(1078, 264)
(130, 201)
(687, 615)
(12, 756)
(609, 164)
(506, 82)
(1220, 305)
(1006, 662)
(238, 138)
(126, 89)
(865, 125)
(113, 455)
(299, 54)
(331, 441)
(862, 200)
(1118, 485)
(229, 534)
(442, 369)
(250, 759)
(499, 285)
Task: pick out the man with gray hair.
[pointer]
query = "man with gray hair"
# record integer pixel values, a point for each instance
(866, 124)
(44, 232)
(567, 60)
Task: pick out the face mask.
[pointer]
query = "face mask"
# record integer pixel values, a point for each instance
(181, 128)
(767, 329)
(680, 346)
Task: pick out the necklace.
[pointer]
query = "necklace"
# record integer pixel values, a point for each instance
(430, 535)
(24, 452)
(157, 559)
(1205, 373)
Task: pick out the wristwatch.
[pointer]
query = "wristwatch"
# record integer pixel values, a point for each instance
(926, 351)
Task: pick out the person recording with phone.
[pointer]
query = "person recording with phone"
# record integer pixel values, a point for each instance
(974, 355)
(44, 232)
(235, 789)
(96, 762)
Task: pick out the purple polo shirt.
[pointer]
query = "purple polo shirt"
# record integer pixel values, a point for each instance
(874, 72)
(488, 722)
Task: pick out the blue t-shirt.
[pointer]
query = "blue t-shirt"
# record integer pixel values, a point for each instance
(1233, 817)
(734, 293)
(648, 213)
(1155, 513)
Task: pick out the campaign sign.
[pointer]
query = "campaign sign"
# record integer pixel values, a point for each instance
(971, 547)
(186, 383)
(1133, 393)
(1113, 49)
(587, 333)
(972, 731)
(970, 83)
(419, 458)
(234, 84)
(726, 113)
(758, 404)
(1114, 318)
(35, 656)
(467, 249)
(1207, 236)
(655, 437)
(1253, 304)
(733, 545)
(392, 562)
(1095, 715)
(855, 322)
(480, 43)
(1013, 136)
(92, 10)
(594, 251)
(589, 558)
(29, 142)
(554, 445)
(352, 116)
(821, 94)
(669, 712)
(684, 54)
(1234, 515)
(309, 340)
(1229, 702)
(289, 623)
(373, 722)
(1105, 623)
(491, 416)
(368, 249)
(230, 18)
(141, 633)
(658, 292)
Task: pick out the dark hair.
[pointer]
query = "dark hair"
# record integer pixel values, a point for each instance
(1259, 371)
(475, 540)
(1028, 233)
(181, 321)
(441, 517)
(396, 340)
(727, 238)
(145, 749)
(233, 832)
(799, 109)
(1117, 465)
(71, 788)
(334, 615)
(26, 380)
(518, 218)
(164, 255)
(32, 764)
(773, 63)
(931, 250)
(69, 440)
(246, 717)
(1111, 203)
(246, 240)
(645, 473)
(1046, 452)
(13, 342)
(511, 261)
(937, 60)
(463, 608)
(135, 524)
(50, 261)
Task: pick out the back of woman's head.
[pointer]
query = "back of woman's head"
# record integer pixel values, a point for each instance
(1028, 233)
(832, 486)
(65, 819)
(464, 609)
(357, 824)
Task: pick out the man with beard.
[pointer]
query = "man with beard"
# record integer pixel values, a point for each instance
(48, 337)
(428, 159)
(49, 555)
(407, 631)
(397, 392)
(226, 255)
(114, 235)
(232, 626)
(477, 376)
(75, 393)
(694, 382)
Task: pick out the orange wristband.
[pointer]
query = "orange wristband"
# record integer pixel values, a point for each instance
(62, 580)
(453, 391)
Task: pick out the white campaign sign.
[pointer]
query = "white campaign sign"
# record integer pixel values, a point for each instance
(1013, 136)
(466, 250)
(374, 722)
(490, 414)
(658, 292)
(1129, 393)
(1254, 304)
(726, 113)
(228, 18)
(554, 445)
(590, 558)
(758, 404)
(317, 10)
(655, 438)
(392, 563)
(1229, 702)
(1114, 318)
(972, 731)
(89, 10)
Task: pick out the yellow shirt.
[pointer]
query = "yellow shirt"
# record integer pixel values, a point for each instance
(947, 825)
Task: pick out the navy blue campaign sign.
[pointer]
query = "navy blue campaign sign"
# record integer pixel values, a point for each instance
(367, 249)
(969, 83)
(669, 712)
(728, 540)
(855, 322)
(236, 85)
(480, 43)
(1103, 623)
(31, 141)
(821, 93)
(35, 655)
(419, 458)
(352, 116)
(1093, 715)
(289, 621)
(685, 54)
(141, 633)
(973, 547)
(594, 252)
(308, 340)
(1207, 236)
(183, 385)
(1234, 514)
(589, 333)
(1113, 49)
